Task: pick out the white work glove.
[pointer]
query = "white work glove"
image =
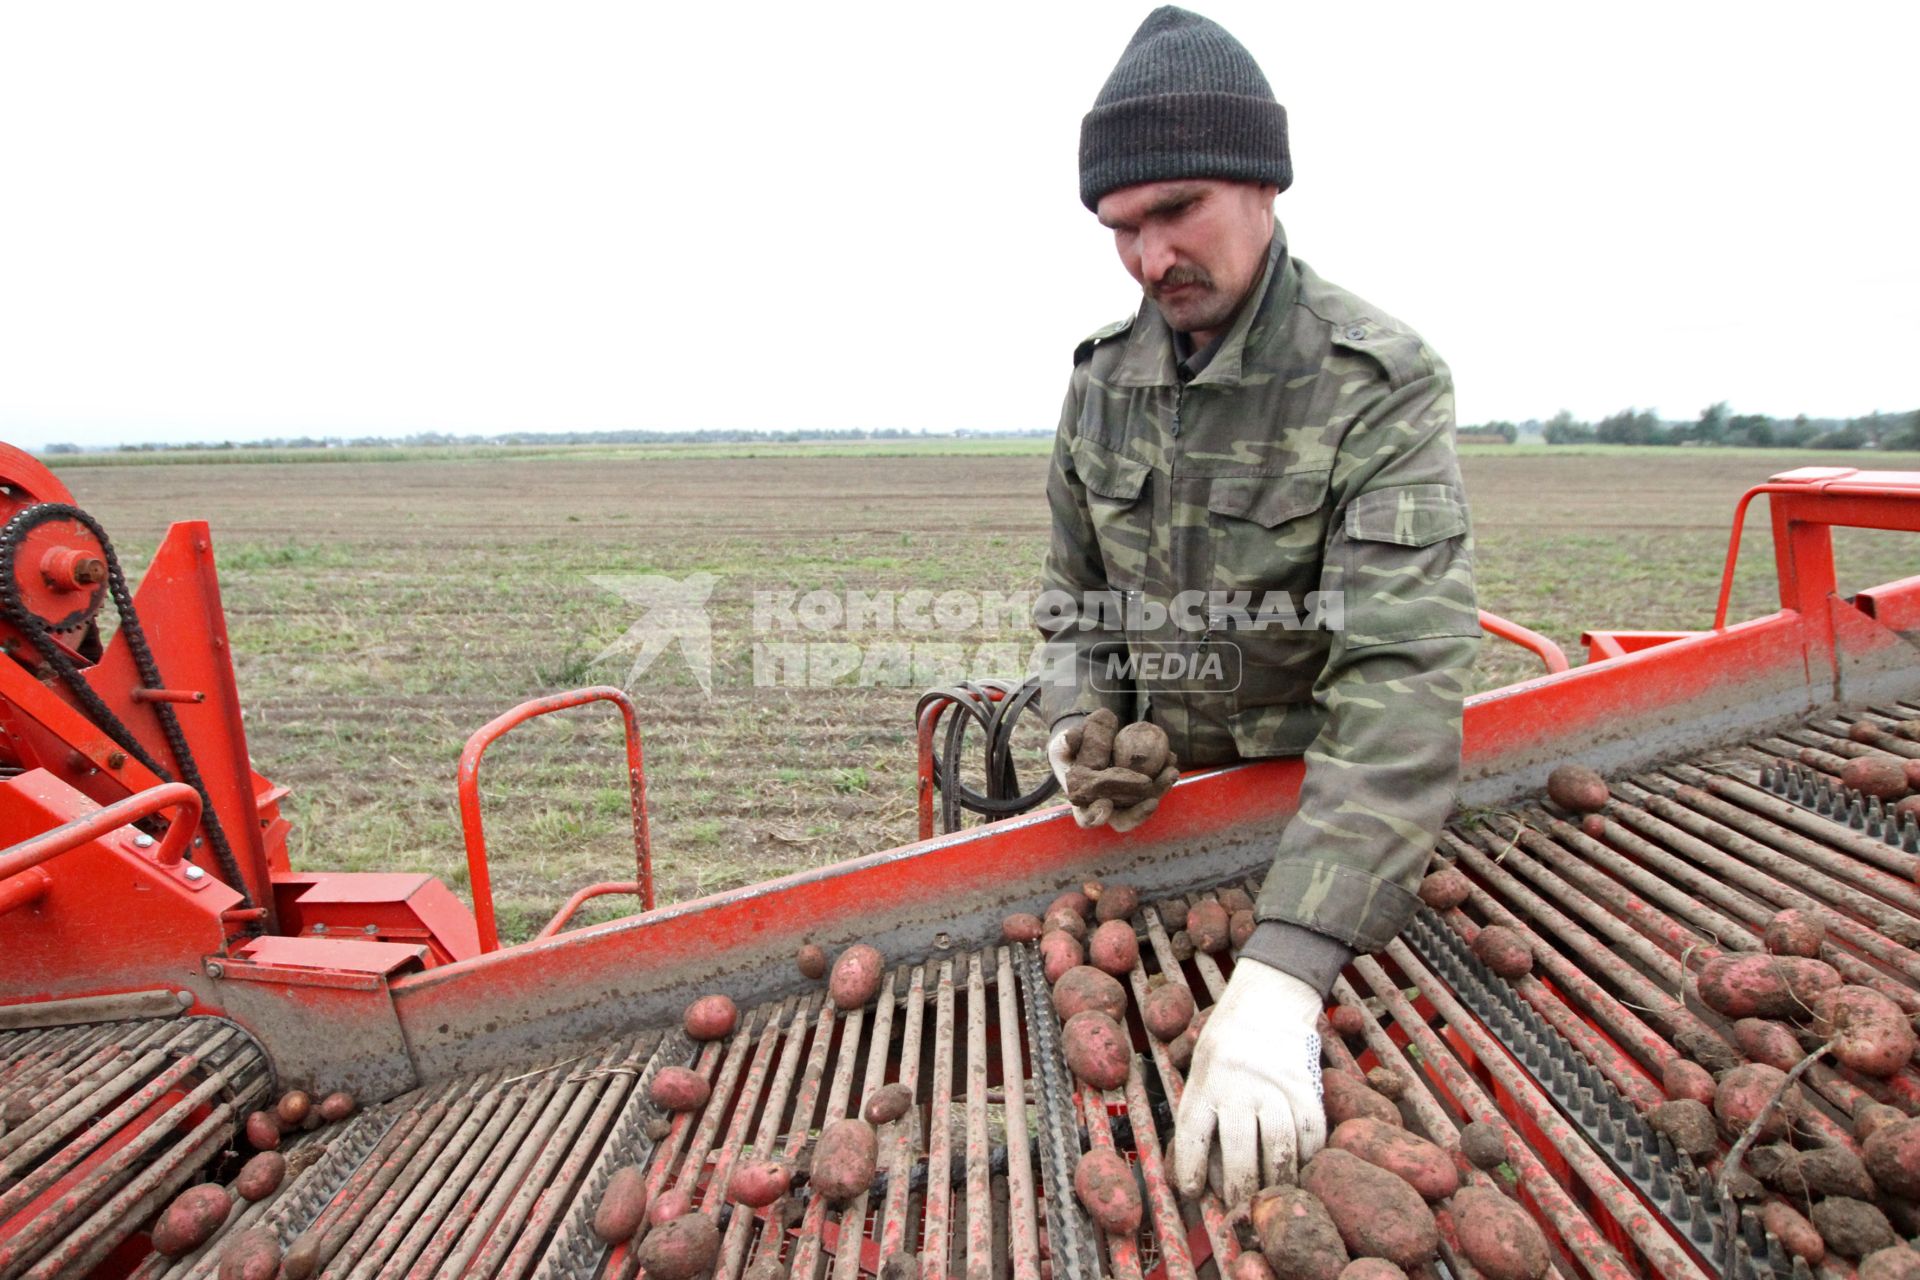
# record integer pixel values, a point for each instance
(1255, 1079)
(1060, 756)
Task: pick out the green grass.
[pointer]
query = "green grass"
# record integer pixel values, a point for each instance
(923, 447)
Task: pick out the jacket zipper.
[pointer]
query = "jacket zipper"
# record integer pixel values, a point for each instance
(1177, 391)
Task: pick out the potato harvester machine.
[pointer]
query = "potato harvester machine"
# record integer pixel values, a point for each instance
(164, 971)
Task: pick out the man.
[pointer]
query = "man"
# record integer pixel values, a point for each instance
(1258, 466)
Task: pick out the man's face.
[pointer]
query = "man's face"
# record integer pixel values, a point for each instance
(1195, 246)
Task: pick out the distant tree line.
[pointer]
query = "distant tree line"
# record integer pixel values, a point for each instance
(1720, 427)
(441, 439)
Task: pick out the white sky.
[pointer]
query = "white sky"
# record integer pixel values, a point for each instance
(247, 220)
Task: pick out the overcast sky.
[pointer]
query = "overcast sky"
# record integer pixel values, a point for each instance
(250, 220)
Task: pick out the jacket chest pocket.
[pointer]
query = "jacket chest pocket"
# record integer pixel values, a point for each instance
(1268, 534)
(1120, 510)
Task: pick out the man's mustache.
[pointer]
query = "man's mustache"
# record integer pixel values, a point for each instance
(1177, 276)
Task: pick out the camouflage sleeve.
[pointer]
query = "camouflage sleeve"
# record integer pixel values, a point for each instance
(1073, 582)
(1380, 776)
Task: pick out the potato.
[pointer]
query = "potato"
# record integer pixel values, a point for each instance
(1173, 915)
(191, 1219)
(1105, 1185)
(1251, 1264)
(1085, 987)
(657, 1128)
(1498, 1237)
(1892, 1155)
(1766, 1041)
(1594, 827)
(1372, 1269)
(1097, 732)
(291, 1111)
(1687, 1124)
(1233, 898)
(623, 1205)
(1060, 952)
(678, 1089)
(811, 961)
(888, 1103)
(1347, 1020)
(856, 976)
(1119, 902)
(1347, 1097)
(712, 1018)
(260, 1176)
(263, 1131)
(1181, 944)
(1871, 1118)
(1870, 1033)
(1240, 927)
(337, 1106)
(1577, 789)
(680, 1249)
(1376, 1213)
(253, 1254)
(1484, 1145)
(1446, 888)
(1794, 932)
(1114, 947)
(669, 1205)
(1503, 951)
(1296, 1235)
(1072, 900)
(1209, 926)
(302, 1258)
(1881, 776)
(1415, 1161)
(844, 1157)
(1851, 1227)
(1834, 1171)
(1096, 1049)
(1741, 1095)
(1167, 1011)
(1704, 1045)
(1767, 985)
(1180, 1049)
(1683, 1079)
(1120, 787)
(1797, 1235)
(1141, 747)
(1064, 921)
(1895, 1262)
(774, 1269)
(758, 1183)
(1021, 926)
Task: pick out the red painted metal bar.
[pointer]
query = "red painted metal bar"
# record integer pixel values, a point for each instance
(24, 889)
(1022, 1224)
(581, 898)
(71, 835)
(931, 711)
(470, 820)
(1819, 502)
(1548, 652)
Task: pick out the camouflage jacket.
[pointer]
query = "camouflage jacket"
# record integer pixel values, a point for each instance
(1313, 454)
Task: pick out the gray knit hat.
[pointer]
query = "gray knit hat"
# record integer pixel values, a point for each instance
(1186, 100)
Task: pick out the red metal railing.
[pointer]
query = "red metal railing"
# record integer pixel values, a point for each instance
(1506, 629)
(1804, 511)
(475, 833)
(23, 860)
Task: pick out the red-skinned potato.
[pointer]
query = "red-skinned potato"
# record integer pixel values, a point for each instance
(1347, 1020)
(1240, 927)
(1104, 1182)
(1096, 1049)
(1372, 1269)
(1685, 1079)
(1873, 1117)
(811, 961)
(303, 1257)
(1085, 987)
(1765, 1041)
(1167, 1011)
(291, 1111)
(260, 1176)
(1119, 902)
(1180, 1049)
(856, 976)
(1415, 1161)
(1060, 952)
(1503, 951)
(1446, 888)
(1892, 1156)
(680, 1249)
(1250, 1265)
(669, 1205)
(712, 1018)
(1296, 1235)
(1594, 826)
(263, 1131)
(1235, 900)
(1072, 900)
(1209, 926)
(623, 1205)
(1021, 926)
(1347, 1097)
(888, 1103)
(1766, 986)
(1376, 1213)
(758, 1183)
(1881, 776)
(844, 1158)
(678, 1089)
(1498, 1237)
(1741, 1095)
(1794, 932)
(253, 1254)
(1114, 948)
(337, 1106)
(191, 1219)
(1577, 789)
(1895, 1262)
(1064, 921)
(1797, 1235)
(1870, 1033)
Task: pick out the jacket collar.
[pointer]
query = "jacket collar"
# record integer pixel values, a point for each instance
(1151, 361)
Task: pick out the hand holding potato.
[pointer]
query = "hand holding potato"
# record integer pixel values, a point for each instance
(1110, 774)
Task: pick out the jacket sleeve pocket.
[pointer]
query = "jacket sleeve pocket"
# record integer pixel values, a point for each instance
(1408, 515)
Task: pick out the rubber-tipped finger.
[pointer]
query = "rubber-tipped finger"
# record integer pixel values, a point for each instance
(1239, 1155)
(1192, 1140)
(1279, 1157)
(1133, 815)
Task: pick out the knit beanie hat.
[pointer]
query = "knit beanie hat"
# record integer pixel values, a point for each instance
(1186, 100)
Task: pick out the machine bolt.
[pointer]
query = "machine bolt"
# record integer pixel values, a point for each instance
(142, 841)
(184, 999)
(215, 969)
(116, 760)
(198, 842)
(943, 941)
(320, 928)
(370, 930)
(195, 873)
